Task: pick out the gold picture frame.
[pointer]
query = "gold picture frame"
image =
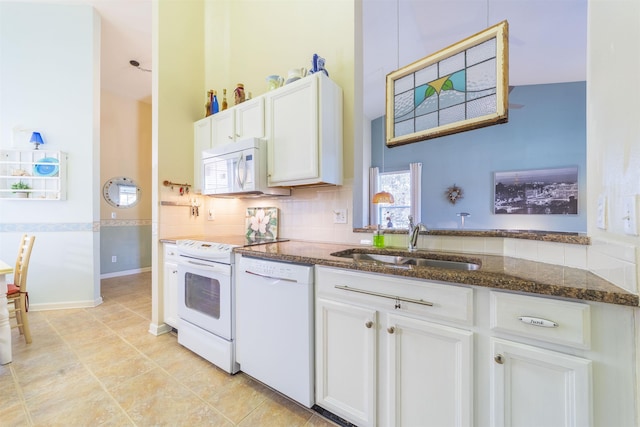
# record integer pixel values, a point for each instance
(462, 87)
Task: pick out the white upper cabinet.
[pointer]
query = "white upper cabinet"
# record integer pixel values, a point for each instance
(244, 120)
(201, 141)
(304, 133)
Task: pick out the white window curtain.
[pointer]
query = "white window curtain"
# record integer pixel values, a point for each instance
(373, 189)
(415, 178)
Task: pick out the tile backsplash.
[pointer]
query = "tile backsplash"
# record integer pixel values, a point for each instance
(308, 215)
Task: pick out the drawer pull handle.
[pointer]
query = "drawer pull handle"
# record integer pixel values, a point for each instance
(391, 329)
(369, 324)
(377, 294)
(499, 359)
(536, 321)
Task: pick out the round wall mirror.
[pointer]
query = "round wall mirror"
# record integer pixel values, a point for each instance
(121, 192)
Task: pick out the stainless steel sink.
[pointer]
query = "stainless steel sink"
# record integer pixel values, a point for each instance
(417, 261)
(441, 263)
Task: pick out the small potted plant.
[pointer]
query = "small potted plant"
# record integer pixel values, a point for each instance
(20, 189)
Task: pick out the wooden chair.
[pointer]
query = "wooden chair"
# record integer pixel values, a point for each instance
(17, 291)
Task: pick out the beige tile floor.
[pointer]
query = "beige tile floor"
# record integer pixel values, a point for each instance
(100, 367)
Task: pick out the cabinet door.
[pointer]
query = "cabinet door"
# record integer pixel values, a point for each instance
(223, 128)
(531, 386)
(201, 141)
(346, 361)
(292, 130)
(250, 119)
(170, 284)
(430, 374)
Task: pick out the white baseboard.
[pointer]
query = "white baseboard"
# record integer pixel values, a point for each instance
(155, 329)
(125, 273)
(65, 305)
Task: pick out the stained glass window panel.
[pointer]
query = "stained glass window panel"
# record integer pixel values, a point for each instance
(452, 115)
(454, 92)
(452, 64)
(481, 107)
(481, 52)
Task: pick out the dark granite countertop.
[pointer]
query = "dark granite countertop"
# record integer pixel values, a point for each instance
(497, 272)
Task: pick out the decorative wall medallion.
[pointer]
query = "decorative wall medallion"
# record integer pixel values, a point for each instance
(453, 193)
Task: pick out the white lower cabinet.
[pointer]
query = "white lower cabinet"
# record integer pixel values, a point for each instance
(394, 351)
(346, 360)
(381, 362)
(532, 386)
(170, 284)
(429, 371)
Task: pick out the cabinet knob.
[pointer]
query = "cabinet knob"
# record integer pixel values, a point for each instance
(499, 359)
(230, 136)
(369, 324)
(391, 329)
(175, 272)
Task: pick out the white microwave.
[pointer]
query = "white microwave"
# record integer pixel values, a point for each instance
(238, 169)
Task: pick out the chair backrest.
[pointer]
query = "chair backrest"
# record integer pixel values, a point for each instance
(22, 262)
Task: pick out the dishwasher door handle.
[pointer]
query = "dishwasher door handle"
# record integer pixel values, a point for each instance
(271, 277)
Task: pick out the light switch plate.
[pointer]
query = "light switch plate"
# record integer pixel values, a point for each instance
(211, 215)
(601, 219)
(630, 220)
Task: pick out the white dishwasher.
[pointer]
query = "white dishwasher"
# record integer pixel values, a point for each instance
(274, 325)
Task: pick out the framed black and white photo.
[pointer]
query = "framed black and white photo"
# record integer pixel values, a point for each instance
(536, 192)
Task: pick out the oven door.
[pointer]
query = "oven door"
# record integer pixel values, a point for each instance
(204, 295)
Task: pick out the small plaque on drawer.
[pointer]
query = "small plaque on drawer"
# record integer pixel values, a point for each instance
(561, 322)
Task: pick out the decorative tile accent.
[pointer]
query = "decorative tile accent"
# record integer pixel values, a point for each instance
(261, 223)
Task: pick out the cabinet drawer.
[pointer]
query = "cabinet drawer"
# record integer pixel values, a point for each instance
(417, 298)
(561, 322)
(170, 252)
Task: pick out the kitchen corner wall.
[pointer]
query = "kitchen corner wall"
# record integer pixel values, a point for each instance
(613, 137)
(50, 82)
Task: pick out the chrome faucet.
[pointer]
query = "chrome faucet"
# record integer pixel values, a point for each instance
(414, 231)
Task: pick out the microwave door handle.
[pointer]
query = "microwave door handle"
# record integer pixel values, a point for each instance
(237, 171)
(242, 181)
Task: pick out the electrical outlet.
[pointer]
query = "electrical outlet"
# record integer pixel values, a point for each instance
(113, 215)
(601, 218)
(211, 215)
(339, 216)
(114, 258)
(629, 219)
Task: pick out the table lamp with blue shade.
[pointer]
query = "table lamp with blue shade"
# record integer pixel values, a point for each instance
(36, 138)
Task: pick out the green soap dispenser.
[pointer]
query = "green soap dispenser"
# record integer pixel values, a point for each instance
(378, 238)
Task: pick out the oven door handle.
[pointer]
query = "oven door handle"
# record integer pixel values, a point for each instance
(270, 277)
(204, 266)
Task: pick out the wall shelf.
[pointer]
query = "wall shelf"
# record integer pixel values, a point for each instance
(44, 171)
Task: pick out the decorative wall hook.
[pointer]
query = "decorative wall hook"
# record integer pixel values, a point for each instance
(454, 193)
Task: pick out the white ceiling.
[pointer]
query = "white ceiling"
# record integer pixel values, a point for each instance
(547, 39)
(126, 35)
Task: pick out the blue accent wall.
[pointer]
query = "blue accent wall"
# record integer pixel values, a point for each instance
(546, 129)
(130, 243)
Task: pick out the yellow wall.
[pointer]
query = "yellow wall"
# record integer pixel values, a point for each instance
(178, 92)
(247, 40)
(125, 150)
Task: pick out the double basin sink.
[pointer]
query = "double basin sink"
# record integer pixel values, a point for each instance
(408, 259)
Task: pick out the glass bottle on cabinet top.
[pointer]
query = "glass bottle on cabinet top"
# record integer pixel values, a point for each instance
(33, 175)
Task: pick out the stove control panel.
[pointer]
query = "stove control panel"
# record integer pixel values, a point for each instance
(205, 250)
